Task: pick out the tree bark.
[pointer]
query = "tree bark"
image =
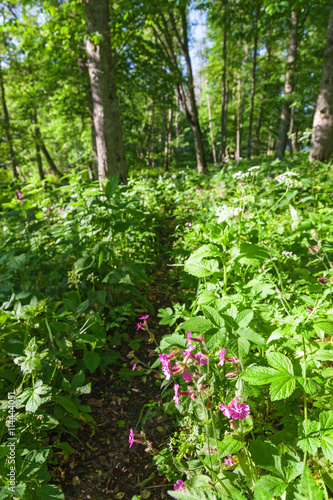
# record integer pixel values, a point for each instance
(47, 156)
(288, 88)
(8, 135)
(322, 135)
(85, 74)
(224, 97)
(167, 141)
(211, 126)
(261, 105)
(187, 95)
(106, 113)
(36, 134)
(253, 87)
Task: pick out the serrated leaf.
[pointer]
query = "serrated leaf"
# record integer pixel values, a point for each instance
(213, 316)
(272, 486)
(324, 325)
(326, 421)
(280, 362)
(282, 388)
(229, 445)
(91, 360)
(309, 441)
(259, 375)
(202, 268)
(326, 441)
(199, 324)
(252, 336)
(33, 462)
(243, 348)
(308, 385)
(244, 317)
(308, 490)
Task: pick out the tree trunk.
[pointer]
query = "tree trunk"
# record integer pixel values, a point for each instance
(106, 113)
(238, 150)
(150, 131)
(288, 88)
(47, 156)
(224, 97)
(322, 135)
(261, 105)
(211, 127)
(85, 74)
(291, 131)
(167, 141)
(253, 88)
(8, 134)
(36, 133)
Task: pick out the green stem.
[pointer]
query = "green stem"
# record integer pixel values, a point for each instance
(305, 401)
(215, 436)
(225, 274)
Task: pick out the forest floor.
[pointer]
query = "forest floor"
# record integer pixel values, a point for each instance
(103, 466)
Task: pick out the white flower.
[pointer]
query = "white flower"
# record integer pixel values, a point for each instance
(240, 175)
(225, 213)
(287, 179)
(252, 169)
(289, 255)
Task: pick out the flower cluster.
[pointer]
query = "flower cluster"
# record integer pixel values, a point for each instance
(240, 175)
(287, 180)
(226, 214)
(142, 325)
(235, 410)
(289, 255)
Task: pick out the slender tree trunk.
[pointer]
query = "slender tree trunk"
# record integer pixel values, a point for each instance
(291, 131)
(253, 88)
(211, 127)
(8, 135)
(322, 135)
(288, 88)
(106, 113)
(85, 75)
(270, 140)
(47, 156)
(167, 141)
(261, 105)
(150, 131)
(224, 96)
(36, 133)
(238, 151)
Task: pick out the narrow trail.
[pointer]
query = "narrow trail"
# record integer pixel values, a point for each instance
(104, 467)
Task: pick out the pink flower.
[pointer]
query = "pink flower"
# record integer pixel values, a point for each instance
(179, 485)
(211, 449)
(191, 392)
(188, 338)
(134, 366)
(235, 410)
(131, 438)
(322, 280)
(190, 224)
(225, 410)
(187, 377)
(19, 195)
(312, 250)
(222, 354)
(176, 398)
(231, 374)
(22, 201)
(229, 461)
(309, 308)
(143, 324)
(165, 365)
(203, 359)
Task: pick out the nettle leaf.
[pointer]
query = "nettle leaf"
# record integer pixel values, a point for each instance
(326, 421)
(198, 264)
(326, 441)
(33, 462)
(213, 315)
(323, 325)
(199, 324)
(282, 388)
(272, 486)
(229, 445)
(259, 375)
(308, 385)
(280, 362)
(252, 336)
(308, 489)
(244, 317)
(309, 441)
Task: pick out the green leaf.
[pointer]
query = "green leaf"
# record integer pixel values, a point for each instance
(244, 317)
(253, 252)
(326, 441)
(280, 362)
(110, 187)
(33, 462)
(202, 268)
(199, 324)
(282, 388)
(68, 404)
(308, 490)
(309, 441)
(326, 421)
(49, 491)
(252, 336)
(229, 445)
(78, 380)
(263, 452)
(259, 375)
(323, 325)
(83, 307)
(33, 403)
(91, 360)
(272, 486)
(213, 315)
(189, 494)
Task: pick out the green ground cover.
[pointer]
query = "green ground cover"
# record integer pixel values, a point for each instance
(246, 375)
